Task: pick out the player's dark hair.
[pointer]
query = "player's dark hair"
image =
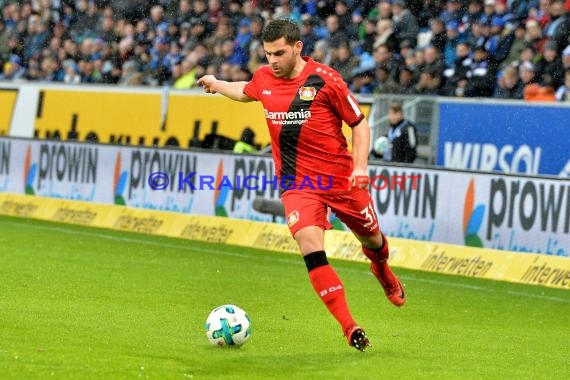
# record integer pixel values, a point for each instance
(281, 28)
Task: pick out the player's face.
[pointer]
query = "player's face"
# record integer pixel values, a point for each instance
(281, 56)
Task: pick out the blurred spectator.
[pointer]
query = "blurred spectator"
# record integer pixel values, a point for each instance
(489, 8)
(385, 83)
(405, 24)
(336, 35)
(83, 23)
(534, 36)
(188, 71)
(558, 28)
(322, 53)
(71, 72)
(429, 10)
(406, 84)
(452, 12)
(473, 15)
(527, 72)
(434, 65)
(385, 35)
(427, 84)
(552, 70)
(509, 85)
(367, 36)
(415, 60)
(516, 46)
(454, 38)
(308, 37)
(344, 62)
(345, 19)
(383, 56)
(286, 11)
(246, 143)
(37, 37)
(12, 69)
(363, 82)
(257, 57)
(439, 34)
(243, 37)
(499, 43)
(482, 74)
(455, 76)
(540, 11)
(382, 11)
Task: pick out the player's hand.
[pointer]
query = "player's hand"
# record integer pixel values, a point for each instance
(207, 81)
(360, 179)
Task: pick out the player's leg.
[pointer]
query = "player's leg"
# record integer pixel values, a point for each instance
(356, 210)
(378, 254)
(307, 221)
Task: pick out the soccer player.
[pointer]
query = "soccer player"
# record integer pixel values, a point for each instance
(305, 103)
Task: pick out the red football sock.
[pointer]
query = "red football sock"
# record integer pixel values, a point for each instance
(378, 255)
(329, 287)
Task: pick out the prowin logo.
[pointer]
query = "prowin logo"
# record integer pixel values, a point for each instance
(288, 118)
(472, 218)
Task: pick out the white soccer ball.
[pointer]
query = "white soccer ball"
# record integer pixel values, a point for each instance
(380, 144)
(228, 325)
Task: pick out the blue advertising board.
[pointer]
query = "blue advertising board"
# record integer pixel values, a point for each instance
(511, 138)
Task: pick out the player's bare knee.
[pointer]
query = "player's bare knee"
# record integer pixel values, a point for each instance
(307, 246)
(310, 239)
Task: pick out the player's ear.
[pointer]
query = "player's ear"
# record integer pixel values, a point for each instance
(298, 47)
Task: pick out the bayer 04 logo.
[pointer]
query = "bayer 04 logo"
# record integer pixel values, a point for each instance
(228, 325)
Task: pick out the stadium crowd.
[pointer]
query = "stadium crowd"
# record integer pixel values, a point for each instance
(509, 49)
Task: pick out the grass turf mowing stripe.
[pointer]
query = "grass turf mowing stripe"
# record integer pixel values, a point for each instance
(220, 251)
(92, 303)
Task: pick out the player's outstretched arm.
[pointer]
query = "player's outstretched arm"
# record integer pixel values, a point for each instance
(232, 90)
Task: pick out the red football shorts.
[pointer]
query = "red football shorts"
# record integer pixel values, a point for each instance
(309, 208)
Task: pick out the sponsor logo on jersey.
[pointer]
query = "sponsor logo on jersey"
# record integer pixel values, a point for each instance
(289, 117)
(266, 92)
(307, 93)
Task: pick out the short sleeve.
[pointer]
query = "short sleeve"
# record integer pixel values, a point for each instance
(344, 103)
(251, 87)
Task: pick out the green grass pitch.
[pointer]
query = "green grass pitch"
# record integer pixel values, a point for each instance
(84, 303)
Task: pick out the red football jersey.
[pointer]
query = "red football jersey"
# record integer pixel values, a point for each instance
(304, 116)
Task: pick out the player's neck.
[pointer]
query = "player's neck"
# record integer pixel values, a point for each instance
(298, 69)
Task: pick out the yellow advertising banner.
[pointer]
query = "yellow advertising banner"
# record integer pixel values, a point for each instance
(149, 118)
(535, 269)
(139, 118)
(7, 105)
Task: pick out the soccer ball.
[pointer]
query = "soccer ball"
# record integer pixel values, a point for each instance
(380, 144)
(228, 325)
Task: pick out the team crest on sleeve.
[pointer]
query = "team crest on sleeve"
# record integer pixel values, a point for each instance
(292, 218)
(307, 93)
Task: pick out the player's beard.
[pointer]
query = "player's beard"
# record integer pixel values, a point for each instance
(285, 69)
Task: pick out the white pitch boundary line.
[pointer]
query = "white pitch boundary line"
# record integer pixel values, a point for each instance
(232, 254)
